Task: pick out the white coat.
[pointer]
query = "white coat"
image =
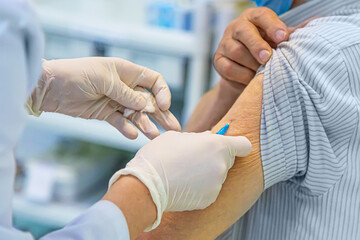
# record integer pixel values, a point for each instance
(21, 50)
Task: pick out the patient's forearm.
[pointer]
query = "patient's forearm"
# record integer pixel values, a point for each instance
(214, 105)
(134, 200)
(242, 187)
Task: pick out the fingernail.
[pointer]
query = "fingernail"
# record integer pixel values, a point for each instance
(280, 35)
(264, 55)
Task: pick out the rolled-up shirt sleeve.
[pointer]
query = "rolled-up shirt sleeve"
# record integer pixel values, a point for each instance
(307, 114)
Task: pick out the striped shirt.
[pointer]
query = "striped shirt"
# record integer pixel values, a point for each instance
(310, 131)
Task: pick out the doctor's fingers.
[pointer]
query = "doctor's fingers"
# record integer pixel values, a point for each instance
(166, 120)
(135, 75)
(124, 95)
(108, 110)
(144, 124)
(157, 84)
(118, 121)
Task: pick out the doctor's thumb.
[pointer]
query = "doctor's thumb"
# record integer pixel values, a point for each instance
(239, 145)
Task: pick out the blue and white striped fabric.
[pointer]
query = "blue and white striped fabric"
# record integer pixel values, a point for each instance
(310, 131)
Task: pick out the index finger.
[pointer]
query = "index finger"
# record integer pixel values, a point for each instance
(135, 75)
(155, 81)
(267, 20)
(248, 34)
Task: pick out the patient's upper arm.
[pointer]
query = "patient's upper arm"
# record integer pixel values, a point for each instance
(288, 114)
(244, 183)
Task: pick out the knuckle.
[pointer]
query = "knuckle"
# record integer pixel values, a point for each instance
(223, 44)
(239, 30)
(237, 51)
(149, 73)
(255, 44)
(261, 11)
(221, 47)
(158, 75)
(215, 63)
(226, 68)
(228, 30)
(237, 34)
(258, 13)
(248, 11)
(243, 28)
(217, 60)
(231, 25)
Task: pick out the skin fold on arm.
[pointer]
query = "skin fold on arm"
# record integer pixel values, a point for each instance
(244, 183)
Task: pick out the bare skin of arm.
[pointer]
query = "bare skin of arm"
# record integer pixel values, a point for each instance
(242, 187)
(135, 202)
(214, 105)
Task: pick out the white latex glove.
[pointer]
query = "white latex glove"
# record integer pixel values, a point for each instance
(142, 121)
(185, 171)
(102, 88)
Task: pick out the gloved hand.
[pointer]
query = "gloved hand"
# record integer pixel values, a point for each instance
(102, 88)
(185, 171)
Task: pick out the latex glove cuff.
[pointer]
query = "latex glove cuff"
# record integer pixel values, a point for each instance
(154, 184)
(35, 101)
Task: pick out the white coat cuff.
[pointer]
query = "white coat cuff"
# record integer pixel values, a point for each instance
(104, 220)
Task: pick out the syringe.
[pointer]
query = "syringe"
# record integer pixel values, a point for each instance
(224, 129)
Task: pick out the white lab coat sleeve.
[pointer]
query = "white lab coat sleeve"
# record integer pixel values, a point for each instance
(104, 220)
(13, 93)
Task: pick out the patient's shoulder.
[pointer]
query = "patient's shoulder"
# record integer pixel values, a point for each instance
(340, 31)
(311, 52)
(306, 56)
(311, 60)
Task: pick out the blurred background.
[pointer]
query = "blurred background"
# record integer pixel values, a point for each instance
(64, 163)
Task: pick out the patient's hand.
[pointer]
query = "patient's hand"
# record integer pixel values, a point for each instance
(237, 59)
(247, 43)
(242, 187)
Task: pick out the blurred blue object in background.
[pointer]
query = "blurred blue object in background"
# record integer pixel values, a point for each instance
(170, 14)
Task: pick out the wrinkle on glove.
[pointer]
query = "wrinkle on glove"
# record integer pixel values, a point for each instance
(150, 104)
(141, 120)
